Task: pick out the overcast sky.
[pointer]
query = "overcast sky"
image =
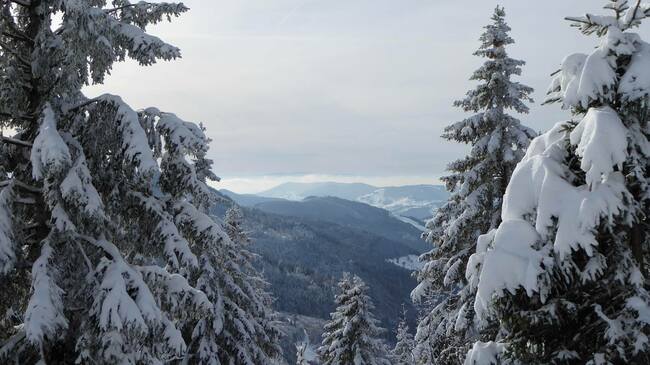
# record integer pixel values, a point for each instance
(347, 90)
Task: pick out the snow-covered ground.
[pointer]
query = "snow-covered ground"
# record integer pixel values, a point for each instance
(417, 201)
(410, 221)
(409, 262)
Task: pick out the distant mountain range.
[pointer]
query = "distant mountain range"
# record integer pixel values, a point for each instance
(305, 246)
(413, 204)
(299, 191)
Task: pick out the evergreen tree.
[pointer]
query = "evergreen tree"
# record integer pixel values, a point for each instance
(351, 336)
(565, 274)
(402, 353)
(301, 359)
(249, 331)
(477, 184)
(106, 252)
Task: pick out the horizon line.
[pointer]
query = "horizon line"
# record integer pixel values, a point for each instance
(255, 184)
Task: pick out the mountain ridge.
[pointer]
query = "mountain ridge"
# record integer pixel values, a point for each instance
(301, 190)
(413, 204)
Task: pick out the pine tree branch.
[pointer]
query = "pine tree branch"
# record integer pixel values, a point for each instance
(15, 141)
(636, 9)
(21, 185)
(26, 265)
(141, 3)
(25, 201)
(10, 115)
(579, 20)
(32, 226)
(18, 37)
(113, 10)
(551, 101)
(83, 253)
(81, 105)
(107, 247)
(25, 3)
(19, 57)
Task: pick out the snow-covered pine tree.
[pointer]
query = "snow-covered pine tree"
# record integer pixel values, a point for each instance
(351, 337)
(477, 183)
(402, 353)
(249, 334)
(566, 273)
(104, 238)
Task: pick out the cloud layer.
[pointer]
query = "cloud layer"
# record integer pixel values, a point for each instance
(344, 88)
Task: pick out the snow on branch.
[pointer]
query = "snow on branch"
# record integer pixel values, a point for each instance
(44, 316)
(583, 79)
(134, 139)
(542, 195)
(143, 13)
(77, 188)
(200, 223)
(185, 136)
(178, 293)
(49, 154)
(125, 303)
(601, 141)
(485, 353)
(143, 47)
(177, 249)
(118, 32)
(181, 140)
(635, 83)
(625, 17)
(115, 306)
(565, 83)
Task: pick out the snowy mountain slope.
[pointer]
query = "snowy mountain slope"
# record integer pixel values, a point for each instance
(409, 262)
(417, 201)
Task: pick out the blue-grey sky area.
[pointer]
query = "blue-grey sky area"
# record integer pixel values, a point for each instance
(347, 90)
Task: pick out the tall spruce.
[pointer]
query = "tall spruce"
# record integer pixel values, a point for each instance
(250, 332)
(565, 274)
(351, 337)
(402, 353)
(105, 244)
(477, 184)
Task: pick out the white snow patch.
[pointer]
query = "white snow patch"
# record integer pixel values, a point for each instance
(410, 221)
(49, 150)
(485, 353)
(409, 262)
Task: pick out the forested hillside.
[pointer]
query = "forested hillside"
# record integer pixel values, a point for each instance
(303, 257)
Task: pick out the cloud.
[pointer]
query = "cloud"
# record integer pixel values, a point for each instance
(341, 88)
